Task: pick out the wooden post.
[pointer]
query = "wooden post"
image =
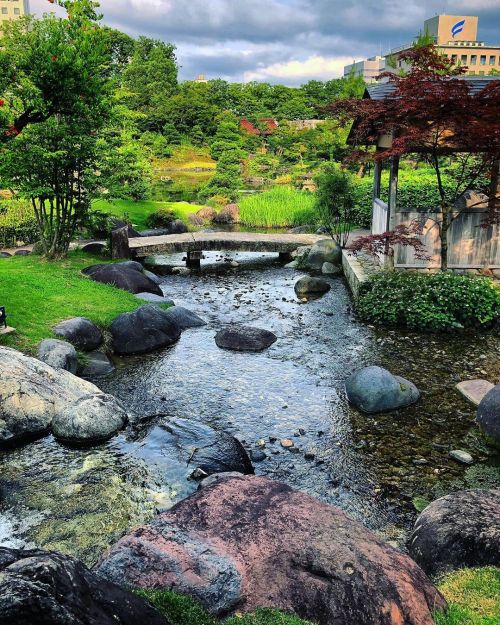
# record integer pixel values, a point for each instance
(392, 205)
(119, 243)
(377, 177)
(193, 260)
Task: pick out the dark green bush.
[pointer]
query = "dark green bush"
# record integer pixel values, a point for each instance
(162, 218)
(17, 223)
(433, 302)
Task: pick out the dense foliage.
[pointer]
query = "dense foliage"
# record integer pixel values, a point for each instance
(281, 206)
(17, 223)
(429, 302)
(335, 202)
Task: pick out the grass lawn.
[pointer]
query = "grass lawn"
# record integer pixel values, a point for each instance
(473, 596)
(279, 207)
(187, 157)
(39, 293)
(138, 212)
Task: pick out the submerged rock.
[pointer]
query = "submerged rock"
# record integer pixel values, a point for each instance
(128, 276)
(97, 364)
(47, 588)
(254, 543)
(154, 299)
(329, 269)
(184, 450)
(488, 414)
(33, 394)
(58, 354)
(146, 329)
(80, 332)
(245, 339)
(374, 389)
(457, 531)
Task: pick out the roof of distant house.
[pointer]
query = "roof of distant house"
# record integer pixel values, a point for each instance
(270, 126)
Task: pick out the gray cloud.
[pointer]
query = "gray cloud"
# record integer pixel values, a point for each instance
(295, 39)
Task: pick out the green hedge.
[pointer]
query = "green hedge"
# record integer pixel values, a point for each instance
(432, 302)
(416, 189)
(17, 223)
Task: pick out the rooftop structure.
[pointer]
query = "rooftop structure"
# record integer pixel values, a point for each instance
(369, 69)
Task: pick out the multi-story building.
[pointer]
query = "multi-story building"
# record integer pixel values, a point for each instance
(454, 35)
(12, 9)
(369, 69)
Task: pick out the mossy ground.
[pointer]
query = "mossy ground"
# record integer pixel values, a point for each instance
(39, 293)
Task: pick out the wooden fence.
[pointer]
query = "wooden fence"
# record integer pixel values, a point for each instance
(469, 245)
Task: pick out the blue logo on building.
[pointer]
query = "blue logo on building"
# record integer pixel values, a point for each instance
(458, 28)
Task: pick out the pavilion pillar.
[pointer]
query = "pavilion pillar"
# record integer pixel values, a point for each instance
(393, 193)
(377, 177)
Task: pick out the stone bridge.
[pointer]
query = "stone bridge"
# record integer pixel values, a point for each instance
(194, 243)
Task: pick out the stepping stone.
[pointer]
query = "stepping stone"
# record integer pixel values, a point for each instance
(474, 390)
(461, 456)
(7, 330)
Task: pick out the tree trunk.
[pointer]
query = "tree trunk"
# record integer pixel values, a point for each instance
(443, 232)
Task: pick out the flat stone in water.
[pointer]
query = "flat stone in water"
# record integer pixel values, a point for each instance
(245, 339)
(475, 390)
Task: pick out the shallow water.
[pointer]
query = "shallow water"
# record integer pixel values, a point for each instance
(81, 500)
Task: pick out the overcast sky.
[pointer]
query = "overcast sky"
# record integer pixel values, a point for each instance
(285, 41)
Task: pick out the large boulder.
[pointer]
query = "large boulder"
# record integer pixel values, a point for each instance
(324, 251)
(47, 588)
(374, 389)
(144, 330)
(488, 414)
(311, 286)
(178, 227)
(185, 318)
(33, 394)
(80, 332)
(58, 354)
(116, 224)
(243, 543)
(230, 214)
(457, 531)
(244, 339)
(90, 419)
(186, 451)
(128, 276)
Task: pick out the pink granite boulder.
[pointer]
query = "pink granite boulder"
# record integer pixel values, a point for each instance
(241, 543)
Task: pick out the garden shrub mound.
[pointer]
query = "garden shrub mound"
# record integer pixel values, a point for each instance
(488, 414)
(146, 329)
(48, 588)
(374, 389)
(128, 276)
(430, 302)
(459, 530)
(248, 542)
(33, 394)
(244, 339)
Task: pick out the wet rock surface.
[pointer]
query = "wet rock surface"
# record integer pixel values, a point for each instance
(97, 364)
(457, 531)
(244, 339)
(311, 286)
(185, 318)
(324, 251)
(257, 543)
(58, 354)
(146, 329)
(128, 276)
(47, 588)
(80, 332)
(375, 389)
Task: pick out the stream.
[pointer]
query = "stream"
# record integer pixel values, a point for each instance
(375, 467)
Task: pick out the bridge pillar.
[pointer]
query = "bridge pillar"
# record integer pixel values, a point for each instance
(193, 260)
(285, 257)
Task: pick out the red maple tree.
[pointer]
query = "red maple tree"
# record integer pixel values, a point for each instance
(432, 111)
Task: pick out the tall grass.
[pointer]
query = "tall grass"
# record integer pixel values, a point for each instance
(279, 207)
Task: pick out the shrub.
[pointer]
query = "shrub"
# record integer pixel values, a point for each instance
(17, 223)
(335, 202)
(162, 218)
(281, 206)
(432, 302)
(98, 224)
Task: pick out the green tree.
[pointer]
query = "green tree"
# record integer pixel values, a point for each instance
(227, 137)
(56, 92)
(335, 202)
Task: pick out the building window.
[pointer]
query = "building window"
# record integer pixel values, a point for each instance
(454, 59)
(473, 59)
(4, 10)
(481, 73)
(463, 59)
(493, 60)
(482, 59)
(17, 11)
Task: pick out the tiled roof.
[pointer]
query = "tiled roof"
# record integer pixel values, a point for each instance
(383, 90)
